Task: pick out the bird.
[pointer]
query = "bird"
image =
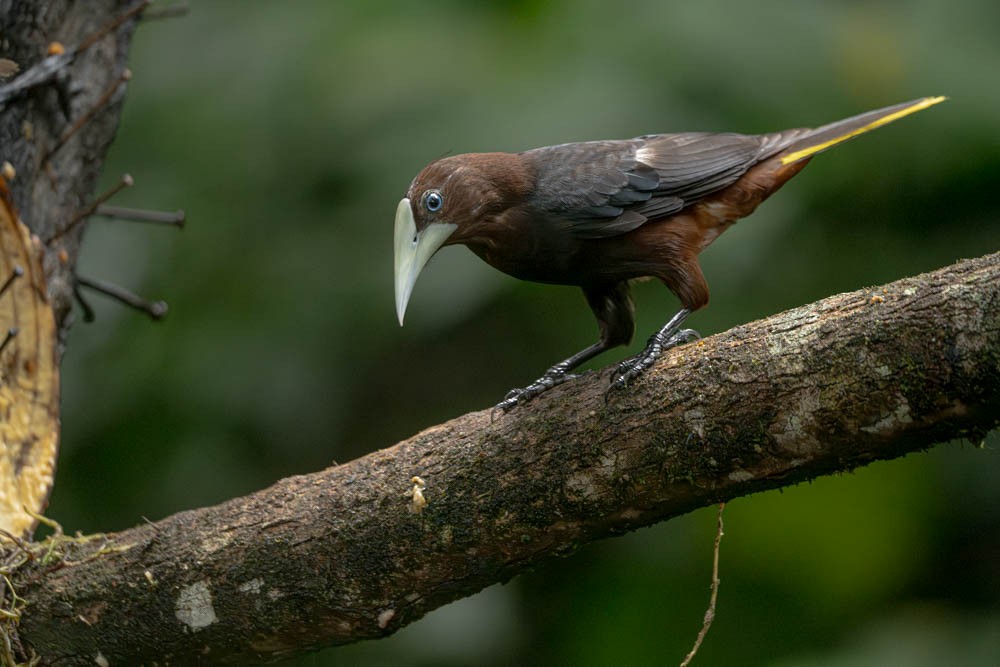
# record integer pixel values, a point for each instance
(599, 214)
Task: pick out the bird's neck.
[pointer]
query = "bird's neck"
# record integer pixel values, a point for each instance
(497, 185)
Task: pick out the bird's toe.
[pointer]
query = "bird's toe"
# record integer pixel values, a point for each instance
(553, 377)
(684, 336)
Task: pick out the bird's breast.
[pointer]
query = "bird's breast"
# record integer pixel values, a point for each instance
(545, 254)
(527, 245)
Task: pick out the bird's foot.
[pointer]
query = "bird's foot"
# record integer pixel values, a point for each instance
(554, 376)
(661, 341)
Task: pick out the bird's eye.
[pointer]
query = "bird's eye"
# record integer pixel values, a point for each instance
(433, 201)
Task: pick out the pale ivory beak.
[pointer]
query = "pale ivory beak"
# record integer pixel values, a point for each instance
(413, 249)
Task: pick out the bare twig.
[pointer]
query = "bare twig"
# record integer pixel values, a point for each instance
(86, 117)
(14, 275)
(155, 309)
(171, 12)
(172, 218)
(126, 181)
(112, 25)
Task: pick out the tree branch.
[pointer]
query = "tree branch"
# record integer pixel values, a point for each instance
(344, 554)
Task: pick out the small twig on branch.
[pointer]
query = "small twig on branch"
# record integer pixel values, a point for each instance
(171, 12)
(155, 309)
(112, 25)
(126, 181)
(88, 115)
(172, 218)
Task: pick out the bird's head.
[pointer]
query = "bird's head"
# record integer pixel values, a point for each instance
(451, 201)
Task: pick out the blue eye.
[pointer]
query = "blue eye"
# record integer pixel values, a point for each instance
(433, 201)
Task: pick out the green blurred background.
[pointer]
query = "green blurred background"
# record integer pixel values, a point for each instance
(288, 132)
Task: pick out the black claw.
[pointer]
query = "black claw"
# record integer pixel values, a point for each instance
(554, 376)
(685, 336)
(632, 368)
(513, 397)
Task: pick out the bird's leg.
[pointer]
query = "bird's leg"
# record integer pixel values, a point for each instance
(671, 335)
(612, 306)
(555, 375)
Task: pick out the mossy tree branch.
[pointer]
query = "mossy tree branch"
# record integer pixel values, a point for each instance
(342, 555)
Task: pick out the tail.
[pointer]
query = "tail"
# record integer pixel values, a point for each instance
(821, 138)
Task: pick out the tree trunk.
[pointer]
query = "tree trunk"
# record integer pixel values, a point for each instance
(60, 110)
(57, 172)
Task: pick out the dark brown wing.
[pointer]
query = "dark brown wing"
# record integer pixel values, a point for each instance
(599, 189)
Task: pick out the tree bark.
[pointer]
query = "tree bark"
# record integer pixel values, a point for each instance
(350, 553)
(61, 91)
(57, 171)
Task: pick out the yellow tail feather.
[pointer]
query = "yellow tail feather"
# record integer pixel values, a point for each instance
(878, 122)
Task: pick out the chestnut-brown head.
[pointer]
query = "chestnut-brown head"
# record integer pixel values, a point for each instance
(451, 201)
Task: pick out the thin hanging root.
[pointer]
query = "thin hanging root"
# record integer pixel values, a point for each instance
(710, 612)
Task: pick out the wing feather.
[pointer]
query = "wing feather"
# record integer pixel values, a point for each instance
(600, 189)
